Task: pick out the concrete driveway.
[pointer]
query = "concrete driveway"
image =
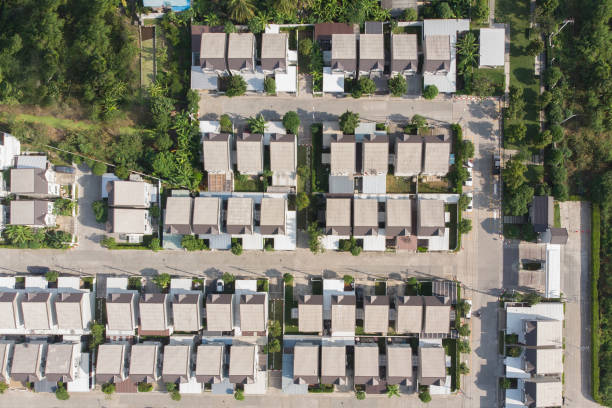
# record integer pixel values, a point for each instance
(89, 231)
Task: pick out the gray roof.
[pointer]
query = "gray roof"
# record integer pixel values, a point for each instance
(398, 217)
(143, 363)
(249, 153)
(344, 52)
(26, 365)
(558, 236)
(240, 51)
(437, 148)
(437, 53)
(36, 310)
(216, 152)
(376, 314)
(272, 216)
(206, 215)
(343, 155)
(124, 193)
(239, 215)
(408, 155)
(177, 216)
(544, 393)
(404, 53)
(111, 362)
(219, 312)
(306, 363)
(371, 52)
(31, 161)
(399, 364)
(365, 217)
(409, 314)
(119, 311)
(544, 361)
(186, 312)
(343, 309)
(430, 217)
(333, 364)
(542, 213)
(58, 366)
(310, 313)
(274, 51)
(9, 314)
(373, 27)
(544, 333)
(432, 366)
(69, 307)
(253, 313)
(242, 364)
(282, 153)
(437, 315)
(28, 212)
(209, 363)
(152, 310)
(29, 181)
(176, 365)
(212, 51)
(128, 220)
(366, 364)
(375, 154)
(338, 216)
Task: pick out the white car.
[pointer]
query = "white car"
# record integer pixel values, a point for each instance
(220, 286)
(470, 206)
(469, 182)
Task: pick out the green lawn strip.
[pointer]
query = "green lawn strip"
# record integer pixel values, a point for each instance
(291, 325)
(250, 184)
(557, 216)
(452, 225)
(399, 185)
(276, 314)
(302, 160)
(450, 346)
(147, 53)
(595, 325)
(320, 172)
(69, 124)
(496, 76)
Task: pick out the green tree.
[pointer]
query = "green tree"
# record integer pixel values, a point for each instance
(532, 298)
(302, 201)
(397, 84)
(314, 238)
(52, 276)
(516, 103)
(122, 172)
(291, 122)
(516, 132)
(236, 248)
(360, 395)
(467, 50)
(514, 174)
(236, 85)
(226, 124)
(552, 76)
(517, 202)
(270, 85)
(240, 10)
(239, 395)
(464, 330)
(505, 383)
(543, 139)
(348, 279)
(424, 395)
(535, 47)
(556, 133)
(462, 307)
(348, 122)
(464, 226)
(464, 347)
(155, 244)
(430, 91)
(443, 10)
(467, 149)
(393, 390)
(273, 346)
(410, 14)
(61, 393)
(274, 328)
(145, 387)
(162, 280)
(98, 168)
(108, 388)
(257, 124)
(419, 122)
(305, 46)
(366, 85)
(175, 395)
(288, 278)
(18, 235)
(480, 12)
(463, 368)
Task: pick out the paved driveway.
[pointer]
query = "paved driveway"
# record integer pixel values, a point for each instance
(90, 232)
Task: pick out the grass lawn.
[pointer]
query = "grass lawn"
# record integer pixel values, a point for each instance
(380, 288)
(452, 225)
(496, 76)
(320, 172)
(399, 185)
(68, 124)
(302, 160)
(441, 186)
(291, 325)
(516, 13)
(250, 183)
(450, 345)
(276, 313)
(147, 58)
(557, 216)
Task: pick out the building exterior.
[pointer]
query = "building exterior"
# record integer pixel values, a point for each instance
(543, 393)
(365, 217)
(397, 7)
(239, 215)
(306, 363)
(371, 53)
(32, 213)
(59, 365)
(253, 314)
(409, 314)
(249, 154)
(177, 216)
(153, 310)
(398, 217)
(343, 155)
(161, 5)
(27, 362)
(242, 364)
(110, 367)
(216, 153)
(6, 350)
(272, 219)
(283, 155)
(541, 215)
(176, 364)
(129, 221)
(186, 313)
(366, 364)
(432, 366)
(310, 313)
(436, 155)
(9, 312)
(128, 194)
(437, 316)
(375, 151)
(274, 52)
(338, 216)
(209, 363)
(376, 314)
(437, 54)
(430, 218)
(399, 364)
(212, 52)
(143, 363)
(333, 364)
(492, 47)
(33, 182)
(344, 53)
(219, 312)
(36, 310)
(121, 312)
(9, 148)
(404, 54)
(323, 33)
(73, 310)
(241, 53)
(206, 215)
(343, 309)
(408, 155)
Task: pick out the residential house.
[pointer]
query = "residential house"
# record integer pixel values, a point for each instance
(404, 54)
(323, 33)
(212, 52)
(376, 314)
(132, 221)
(432, 366)
(283, 159)
(60, 359)
(186, 312)
(143, 363)
(32, 213)
(177, 216)
(371, 53)
(121, 312)
(209, 363)
(216, 153)
(6, 349)
(153, 311)
(541, 216)
(338, 216)
(436, 156)
(343, 155)
(176, 364)
(219, 312)
(206, 215)
(241, 53)
(543, 393)
(437, 315)
(249, 154)
(343, 309)
(543, 333)
(34, 182)
(239, 215)
(375, 154)
(310, 313)
(110, 367)
(408, 155)
(128, 194)
(344, 53)
(409, 314)
(543, 361)
(36, 310)
(254, 314)
(365, 217)
(366, 364)
(9, 148)
(399, 364)
(437, 50)
(9, 312)
(333, 364)
(242, 364)
(430, 218)
(73, 310)
(274, 52)
(272, 219)
(398, 217)
(26, 365)
(492, 43)
(306, 363)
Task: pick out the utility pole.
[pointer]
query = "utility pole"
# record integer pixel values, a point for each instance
(565, 22)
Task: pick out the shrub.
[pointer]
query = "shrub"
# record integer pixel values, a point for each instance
(288, 278)
(273, 346)
(270, 85)
(410, 14)
(305, 46)
(236, 248)
(100, 209)
(464, 330)
(513, 351)
(170, 387)
(314, 238)
(239, 395)
(122, 172)
(51, 276)
(424, 395)
(356, 250)
(145, 387)
(97, 336)
(3, 387)
(464, 347)
(465, 226)
(193, 243)
(61, 393)
(398, 85)
(175, 395)
(366, 85)
(98, 168)
(360, 395)
(108, 242)
(155, 244)
(302, 201)
(430, 92)
(108, 388)
(236, 86)
(162, 280)
(154, 211)
(348, 122)
(226, 124)
(348, 279)
(535, 47)
(291, 122)
(463, 368)
(228, 278)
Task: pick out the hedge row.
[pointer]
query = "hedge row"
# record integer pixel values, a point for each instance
(595, 236)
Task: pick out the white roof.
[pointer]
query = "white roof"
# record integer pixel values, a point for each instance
(515, 316)
(444, 26)
(210, 126)
(287, 82)
(492, 46)
(332, 82)
(553, 271)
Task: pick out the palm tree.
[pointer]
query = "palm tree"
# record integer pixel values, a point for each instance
(284, 6)
(257, 124)
(393, 390)
(241, 10)
(467, 49)
(18, 234)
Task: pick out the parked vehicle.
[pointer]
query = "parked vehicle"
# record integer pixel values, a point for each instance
(220, 286)
(470, 206)
(496, 164)
(469, 163)
(64, 169)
